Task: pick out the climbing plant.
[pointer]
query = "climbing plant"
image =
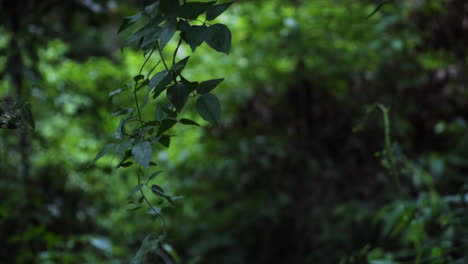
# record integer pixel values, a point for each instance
(158, 99)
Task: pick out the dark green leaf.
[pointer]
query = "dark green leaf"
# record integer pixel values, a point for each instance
(168, 31)
(123, 146)
(169, 7)
(166, 124)
(186, 121)
(149, 33)
(192, 86)
(208, 86)
(138, 77)
(151, 8)
(219, 38)
(125, 164)
(157, 78)
(180, 65)
(134, 190)
(160, 85)
(122, 111)
(157, 190)
(183, 25)
(178, 95)
(209, 108)
(128, 21)
(27, 116)
(113, 93)
(217, 10)
(101, 154)
(154, 176)
(125, 157)
(160, 114)
(192, 10)
(142, 153)
(134, 209)
(195, 35)
(165, 141)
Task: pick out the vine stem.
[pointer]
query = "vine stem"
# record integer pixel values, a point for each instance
(162, 57)
(176, 50)
(388, 146)
(136, 84)
(164, 62)
(149, 203)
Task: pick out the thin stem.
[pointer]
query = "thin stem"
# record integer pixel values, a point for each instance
(162, 58)
(164, 62)
(135, 97)
(176, 50)
(388, 147)
(148, 202)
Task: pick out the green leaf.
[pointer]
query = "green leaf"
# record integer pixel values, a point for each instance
(209, 108)
(166, 124)
(169, 7)
(146, 247)
(195, 35)
(180, 65)
(101, 153)
(208, 86)
(128, 21)
(27, 116)
(134, 209)
(178, 95)
(115, 92)
(192, 86)
(157, 190)
(165, 141)
(150, 8)
(168, 31)
(122, 110)
(159, 82)
(125, 164)
(192, 10)
(142, 153)
(217, 10)
(138, 77)
(154, 176)
(147, 33)
(183, 25)
(219, 38)
(134, 190)
(189, 122)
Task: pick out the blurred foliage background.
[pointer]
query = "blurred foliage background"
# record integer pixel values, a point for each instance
(285, 178)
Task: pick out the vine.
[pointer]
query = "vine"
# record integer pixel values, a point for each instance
(137, 133)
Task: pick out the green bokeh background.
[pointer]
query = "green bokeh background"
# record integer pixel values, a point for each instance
(285, 178)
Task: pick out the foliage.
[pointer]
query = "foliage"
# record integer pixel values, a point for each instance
(282, 177)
